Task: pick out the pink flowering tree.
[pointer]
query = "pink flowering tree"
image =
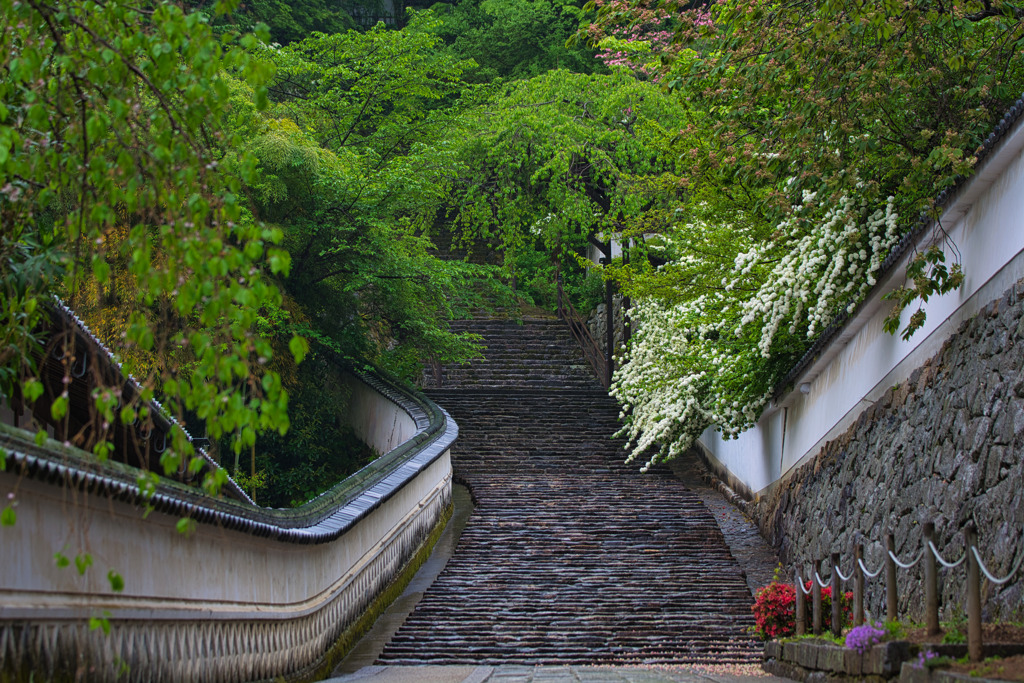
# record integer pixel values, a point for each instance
(637, 44)
(816, 133)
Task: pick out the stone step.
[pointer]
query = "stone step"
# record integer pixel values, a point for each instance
(571, 556)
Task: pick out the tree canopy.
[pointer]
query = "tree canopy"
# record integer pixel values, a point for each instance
(820, 131)
(355, 165)
(515, 39)
(112, 152)
(216, 199)
(564, 159)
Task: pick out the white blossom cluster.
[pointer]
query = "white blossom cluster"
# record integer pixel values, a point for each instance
(708, 361)
(831, 265)
(676, 380)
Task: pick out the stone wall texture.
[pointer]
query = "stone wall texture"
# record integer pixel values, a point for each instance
(948, 446)
(597, 323)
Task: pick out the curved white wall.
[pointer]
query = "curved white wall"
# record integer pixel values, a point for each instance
(213, 572)
(230, 601)
(374, 417)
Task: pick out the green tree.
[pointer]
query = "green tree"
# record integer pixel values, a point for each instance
(355, 164)
(110, 121)
(564, 160)
(287, 22)
(818, 133)
(515, 39)
(840, 99)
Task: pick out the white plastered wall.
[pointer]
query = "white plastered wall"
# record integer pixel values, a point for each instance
(376, 419)
(212, 573)
(986, 223)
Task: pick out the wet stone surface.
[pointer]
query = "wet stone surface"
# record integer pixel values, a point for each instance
(549, 674)
(571, 557)
(757, 559)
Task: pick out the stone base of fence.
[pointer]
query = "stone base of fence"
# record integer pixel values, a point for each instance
(818, 661)
(914, 675)
(880, 663)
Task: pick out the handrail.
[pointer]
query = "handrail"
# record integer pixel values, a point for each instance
(580, 332)
(929, 552)
(317, 521)
(69, 328)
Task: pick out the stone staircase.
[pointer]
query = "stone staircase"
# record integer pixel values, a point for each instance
(533, 353)
(570, 557)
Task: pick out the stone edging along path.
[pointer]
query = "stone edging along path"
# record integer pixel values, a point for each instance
(822, 661)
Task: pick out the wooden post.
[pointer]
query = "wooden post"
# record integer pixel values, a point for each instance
(816, 598)
(558, 291)
(837, 592)
(858, 585)
(931, 582)
(973, 594)
(626, 332)
(891, 598)
(801, 605)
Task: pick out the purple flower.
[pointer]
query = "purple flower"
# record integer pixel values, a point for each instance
(861, 638)
(923, 658)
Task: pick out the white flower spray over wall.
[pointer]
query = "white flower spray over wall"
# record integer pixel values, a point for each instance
(714, 360)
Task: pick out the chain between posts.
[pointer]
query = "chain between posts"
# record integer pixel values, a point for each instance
(867, 572)
(945, 563)
(989, 575)
(931, 556)
(907, 565)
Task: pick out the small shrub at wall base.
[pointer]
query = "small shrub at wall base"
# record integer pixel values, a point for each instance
(775, 610)
(862, 638)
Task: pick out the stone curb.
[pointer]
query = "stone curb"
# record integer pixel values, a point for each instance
(911, 675)
(821, 661)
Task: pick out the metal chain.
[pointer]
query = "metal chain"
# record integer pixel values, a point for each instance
(842, 577)
(944, 563)
(800, 585)
(823, 584)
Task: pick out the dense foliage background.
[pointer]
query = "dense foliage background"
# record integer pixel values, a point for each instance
(818, 133)
(221, 205)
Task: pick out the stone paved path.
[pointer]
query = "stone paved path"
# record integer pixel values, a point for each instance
(547, 674)
(758, 559)
(570, 558)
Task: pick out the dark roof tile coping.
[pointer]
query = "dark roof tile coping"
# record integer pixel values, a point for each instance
(321, 520)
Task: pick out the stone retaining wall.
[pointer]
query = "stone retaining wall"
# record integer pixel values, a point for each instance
(597, 323)
(947, 445)
(819, 661)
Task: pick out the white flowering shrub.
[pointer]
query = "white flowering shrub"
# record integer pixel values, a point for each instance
(713, 359)
(678, 378)
(823, 268)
